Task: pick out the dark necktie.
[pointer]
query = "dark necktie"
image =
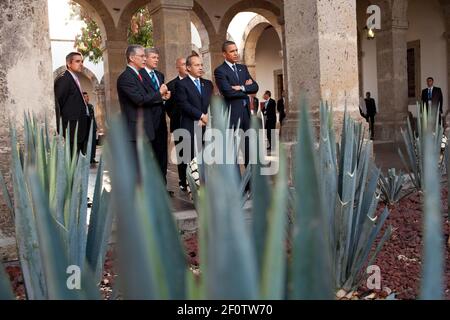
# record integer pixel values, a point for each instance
(154, 81)
(236, 72)
(430, 94)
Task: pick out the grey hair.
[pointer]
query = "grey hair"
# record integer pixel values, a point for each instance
(71, 56)
(131, 51)
(151, 50)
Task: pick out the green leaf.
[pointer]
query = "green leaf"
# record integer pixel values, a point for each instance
(311, 272)
(162, 223)
(261, 202)
(53, 254)
(26, 233)
(99, 233)
(433, 250)
(273, 275)
(6, 292)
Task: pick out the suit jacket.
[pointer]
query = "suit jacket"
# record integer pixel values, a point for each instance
(70, 103)
(136, 101)
(436, 99)
(172, 109)
(371, 108)
(92, 115)
(280, 109)
(191, 103)
(270, 112)
(238, 101)
(159, 115)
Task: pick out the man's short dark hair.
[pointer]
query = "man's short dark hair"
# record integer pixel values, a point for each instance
(430, 78)
(131, 51)
(226, 44)
(71, 56)
(85, 93)
(189, 59)
(368, 93)
(268, 93)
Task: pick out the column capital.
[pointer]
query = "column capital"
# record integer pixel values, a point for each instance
(156, 5)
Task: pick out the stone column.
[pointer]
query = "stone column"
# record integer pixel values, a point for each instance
(446, 6)
(321, 51)
(392, 70)
(206, 56)
(215, 50)
(252, 70)
(447, 107)
(26, 84)
(114, 63)
(100, 110)
(172, 32)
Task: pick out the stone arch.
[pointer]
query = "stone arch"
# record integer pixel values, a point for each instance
(207, 33)
(252, 32)
(101, 16)
(201, 21)
(86, 72)
(268, 10)
(127, 14)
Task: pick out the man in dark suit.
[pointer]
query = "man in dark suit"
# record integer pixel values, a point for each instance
(281, 109)
(174, 113)
(193, 97)
(432, 98)
(94, 128)
(235, 84)
(270, 113)
(153, 81)
(70, 104)
(136, 99)
(371, 111)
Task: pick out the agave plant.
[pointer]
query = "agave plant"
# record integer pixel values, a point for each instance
(414, 143)
(391, 186)
(348, 183)
(149, 244)
(5, 287)
(432, 284)
(50, 209)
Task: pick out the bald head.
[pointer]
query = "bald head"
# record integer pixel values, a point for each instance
(181, 67)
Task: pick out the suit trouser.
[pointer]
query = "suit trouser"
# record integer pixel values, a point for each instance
(180, 166)
(159, 145)
(94, 142)
(371, 119)
(270, 125)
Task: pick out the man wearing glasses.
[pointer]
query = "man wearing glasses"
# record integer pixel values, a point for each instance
(135, 98)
